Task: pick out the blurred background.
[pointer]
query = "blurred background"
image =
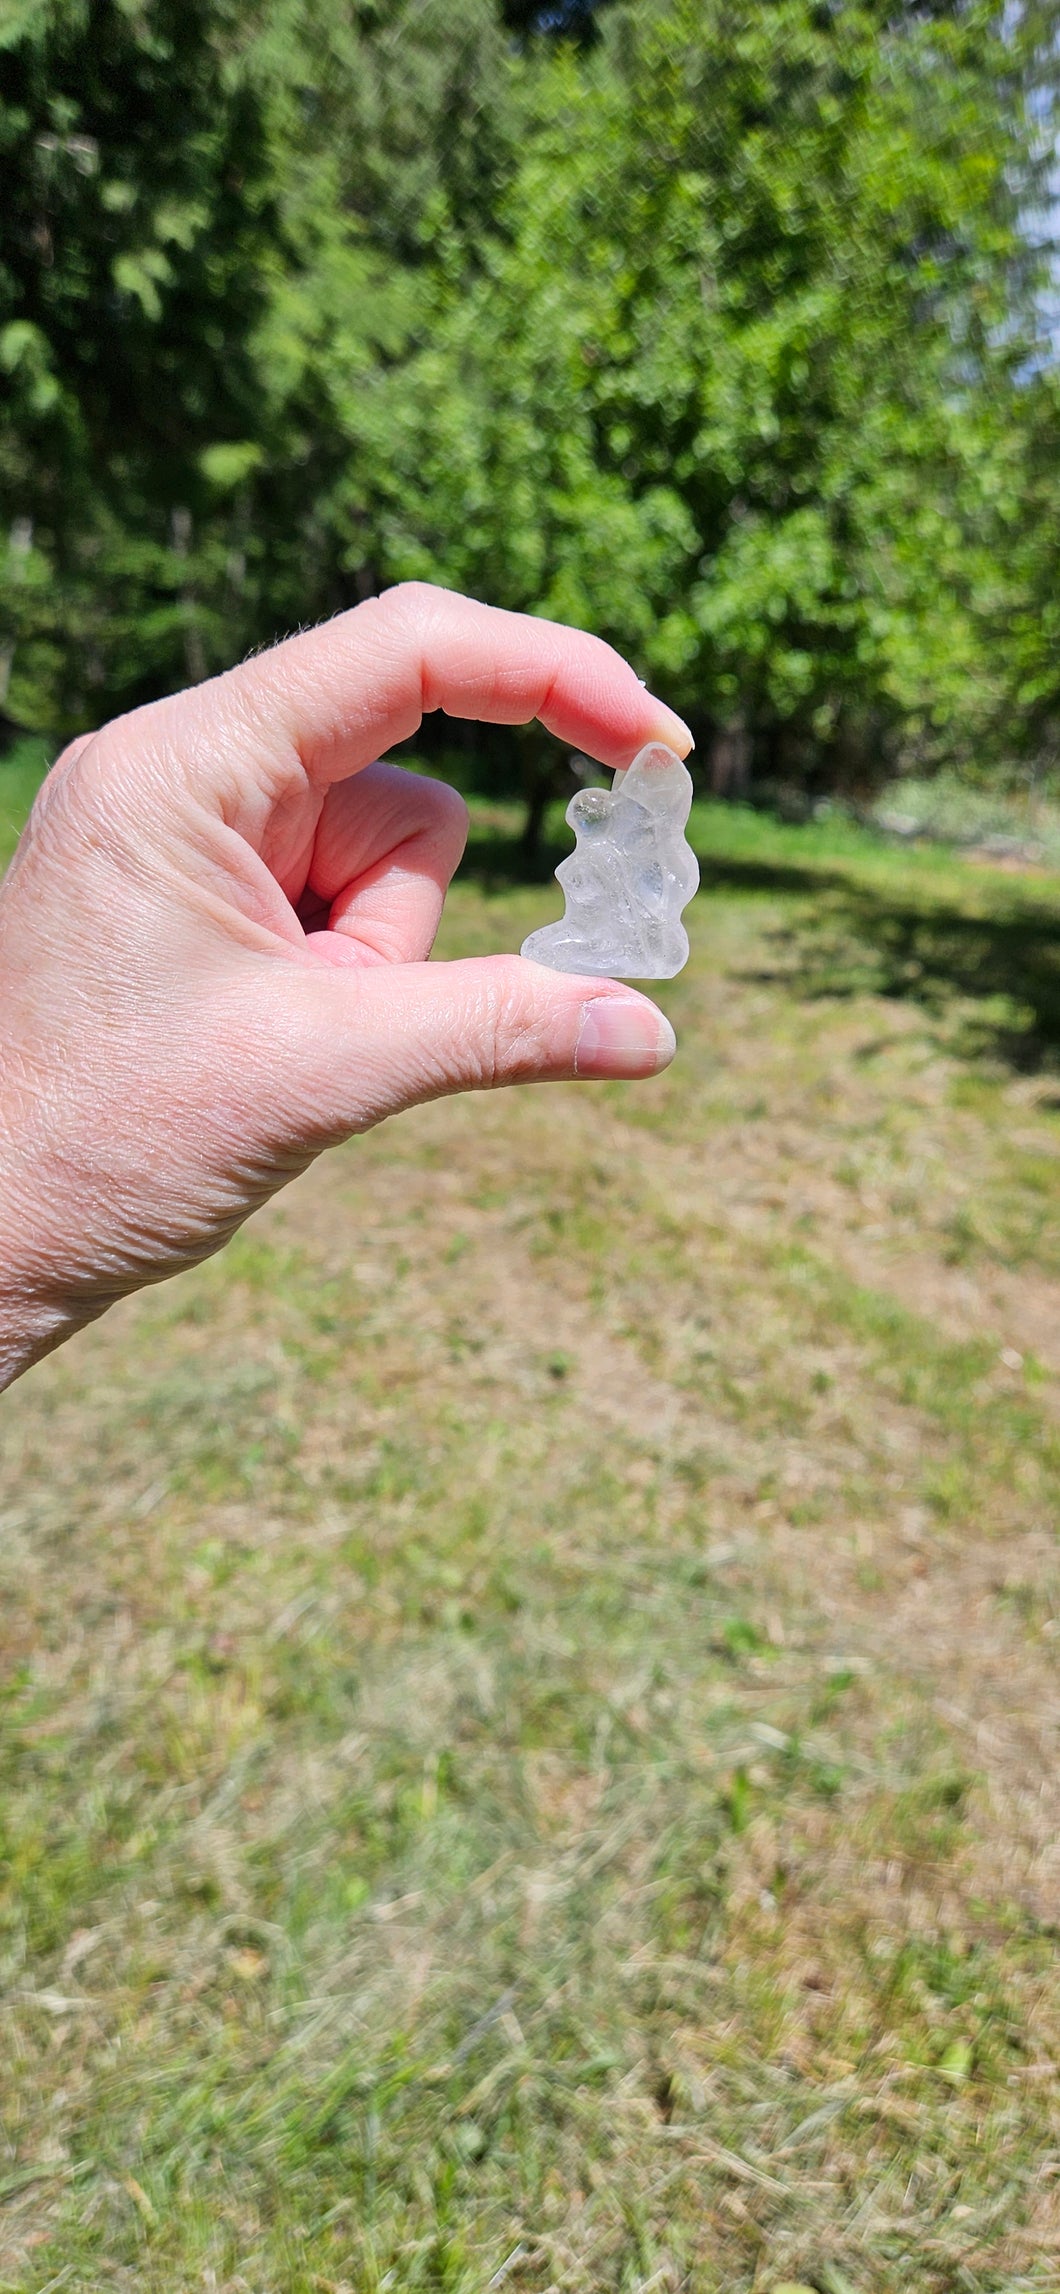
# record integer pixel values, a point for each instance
(529, 1707)
(725, 330)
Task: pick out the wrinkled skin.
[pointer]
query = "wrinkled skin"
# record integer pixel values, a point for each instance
(214, 940)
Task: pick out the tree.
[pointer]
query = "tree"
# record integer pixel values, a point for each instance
(136, 219)
(715, 331)
(391, 138)
(215, 226)
(738, 385)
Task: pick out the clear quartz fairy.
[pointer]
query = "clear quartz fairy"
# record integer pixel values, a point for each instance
(629, 877)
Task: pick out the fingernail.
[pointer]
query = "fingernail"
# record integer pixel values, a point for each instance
(681, 740)
(623, 1035)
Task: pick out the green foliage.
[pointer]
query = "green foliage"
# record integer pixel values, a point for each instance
(134, 193)
(715, 331)
(740, 386)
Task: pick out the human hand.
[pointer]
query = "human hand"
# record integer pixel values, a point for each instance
(214, 933)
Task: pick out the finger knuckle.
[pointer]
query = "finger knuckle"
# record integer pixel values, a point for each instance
(408, 602)
(450, 809)
(68, 756)
(512, 1037)
(59, 795)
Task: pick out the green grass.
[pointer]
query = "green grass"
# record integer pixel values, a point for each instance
(21, 772)
(528, 1688)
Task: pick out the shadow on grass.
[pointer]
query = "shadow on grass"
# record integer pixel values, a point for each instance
(501, 862)
(993, 980)
(1004, 970)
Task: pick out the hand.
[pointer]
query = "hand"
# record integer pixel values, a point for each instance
(213, 943)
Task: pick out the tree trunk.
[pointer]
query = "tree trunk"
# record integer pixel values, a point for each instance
(730, 761)
(537, 793)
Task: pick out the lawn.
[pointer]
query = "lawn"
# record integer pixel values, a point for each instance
(529, 1703)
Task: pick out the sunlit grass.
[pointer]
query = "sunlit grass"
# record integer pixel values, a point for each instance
(528, 1693)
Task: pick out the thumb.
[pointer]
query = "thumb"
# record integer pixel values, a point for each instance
(358, 1043)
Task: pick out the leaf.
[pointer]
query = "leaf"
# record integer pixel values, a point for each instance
(227, 466)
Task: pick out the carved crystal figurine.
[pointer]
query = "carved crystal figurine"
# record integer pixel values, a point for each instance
(630, 875)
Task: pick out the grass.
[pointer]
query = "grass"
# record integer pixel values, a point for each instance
(948, 809)
(528, 1688)
(21, 770)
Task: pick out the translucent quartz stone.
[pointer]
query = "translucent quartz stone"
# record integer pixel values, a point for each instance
(629, 877)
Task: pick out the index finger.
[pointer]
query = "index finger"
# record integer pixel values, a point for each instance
(339, 696)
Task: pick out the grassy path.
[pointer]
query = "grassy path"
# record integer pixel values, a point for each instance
(529, 1716)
